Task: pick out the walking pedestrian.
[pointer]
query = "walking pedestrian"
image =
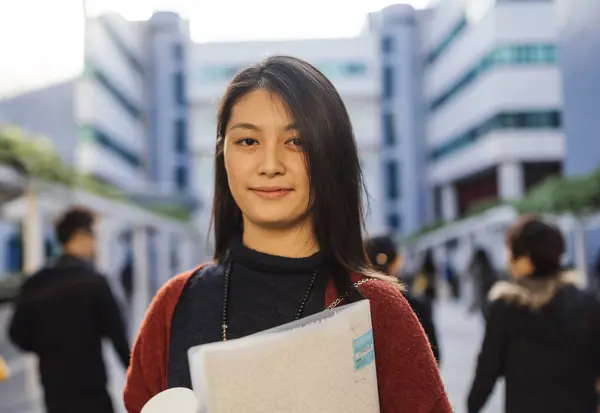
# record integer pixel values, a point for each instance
(483, 277)
(62, 314)
(287, 215)
(543, 332)
(383, 254)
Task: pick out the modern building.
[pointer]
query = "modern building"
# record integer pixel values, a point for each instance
(580, 65)
(123, 120)
(401, 140)
(352, 65)
(579, 60)
(493, 101)
(459, 104)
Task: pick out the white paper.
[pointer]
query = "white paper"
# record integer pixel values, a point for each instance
(323, 363)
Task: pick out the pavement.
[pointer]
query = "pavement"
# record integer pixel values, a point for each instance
(461, 335)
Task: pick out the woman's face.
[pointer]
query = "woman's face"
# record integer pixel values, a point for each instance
(265, 162)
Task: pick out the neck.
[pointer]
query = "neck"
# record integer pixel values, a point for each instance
(76, 254)
(293, 243)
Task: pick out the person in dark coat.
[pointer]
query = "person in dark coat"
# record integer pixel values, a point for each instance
(543, 331)
(484, 277)
(383, 254)
(62, 314)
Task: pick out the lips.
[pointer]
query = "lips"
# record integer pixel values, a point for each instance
(271, 192)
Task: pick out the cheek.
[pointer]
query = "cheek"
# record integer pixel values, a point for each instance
(235, 170)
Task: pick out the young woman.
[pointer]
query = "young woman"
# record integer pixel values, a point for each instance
(543, 332)
(288, 235)
(382, 252)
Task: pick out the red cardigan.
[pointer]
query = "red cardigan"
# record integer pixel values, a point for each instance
(407, 374)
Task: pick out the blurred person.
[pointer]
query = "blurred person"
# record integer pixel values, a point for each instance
(453, 280)
(483, 277)
(543, 332)
(425, 281)
(383, 254)
(62, 314)
(288, 225)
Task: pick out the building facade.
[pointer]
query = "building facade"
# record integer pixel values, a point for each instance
(123, 120)
(351, 64)
(460, 104)
(580, 65)
(493, 101)
(401, 140)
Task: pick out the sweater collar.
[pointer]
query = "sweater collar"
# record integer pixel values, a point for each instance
(268, 263)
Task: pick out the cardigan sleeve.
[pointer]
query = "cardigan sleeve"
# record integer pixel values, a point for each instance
(147, 373)
(407, 373)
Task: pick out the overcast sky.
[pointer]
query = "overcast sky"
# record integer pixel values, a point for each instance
(41, 41)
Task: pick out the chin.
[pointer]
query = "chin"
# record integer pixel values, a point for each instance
(276, 220)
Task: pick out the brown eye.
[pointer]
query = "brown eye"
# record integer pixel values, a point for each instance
(246, 142)
(296, 142)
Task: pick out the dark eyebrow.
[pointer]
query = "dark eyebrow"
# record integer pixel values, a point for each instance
(244, 125)
(250, 126)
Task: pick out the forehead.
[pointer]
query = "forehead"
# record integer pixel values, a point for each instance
(262, 108)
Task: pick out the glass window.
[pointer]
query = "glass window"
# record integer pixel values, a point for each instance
(179, 87)
(516, 120)
(388, 82)
(180, 136)
(387, 44)
(123, 100)
(447, 41)
(501, 56)
(393, 222)
(354, 69)
(388, 129)
(178, 52)
(111, 144)
(392, 178)
(181, 177)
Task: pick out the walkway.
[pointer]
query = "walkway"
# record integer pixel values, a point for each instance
(461, 335)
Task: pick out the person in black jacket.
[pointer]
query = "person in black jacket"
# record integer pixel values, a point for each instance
(62, 314)
(383, 254)
(543, 331)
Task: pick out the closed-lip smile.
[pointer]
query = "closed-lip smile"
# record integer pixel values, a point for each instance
(271, 192)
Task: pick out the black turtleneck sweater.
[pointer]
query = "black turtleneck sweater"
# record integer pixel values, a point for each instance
(265, 291)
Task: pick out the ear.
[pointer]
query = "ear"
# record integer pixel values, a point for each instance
(522, 267)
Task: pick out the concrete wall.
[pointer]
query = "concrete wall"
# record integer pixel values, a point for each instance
(579, 59)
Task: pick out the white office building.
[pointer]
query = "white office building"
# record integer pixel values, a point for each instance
(351, 64)
(122, 120)
(493, 101)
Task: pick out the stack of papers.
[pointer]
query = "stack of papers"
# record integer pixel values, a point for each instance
(324, 363)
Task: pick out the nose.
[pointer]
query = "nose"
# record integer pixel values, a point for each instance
(271, 163)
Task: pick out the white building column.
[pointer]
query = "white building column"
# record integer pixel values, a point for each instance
(511, 181)
(449, 202)
(163, 256)
(110, 254)
(106, 243)
(581, 262)
(187, 256)
(33, 260)
(33, 233)
(141, 278)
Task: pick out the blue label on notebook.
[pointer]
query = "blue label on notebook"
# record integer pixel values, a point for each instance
(364, 350)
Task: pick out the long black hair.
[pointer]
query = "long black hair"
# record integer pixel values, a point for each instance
(336, 181)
